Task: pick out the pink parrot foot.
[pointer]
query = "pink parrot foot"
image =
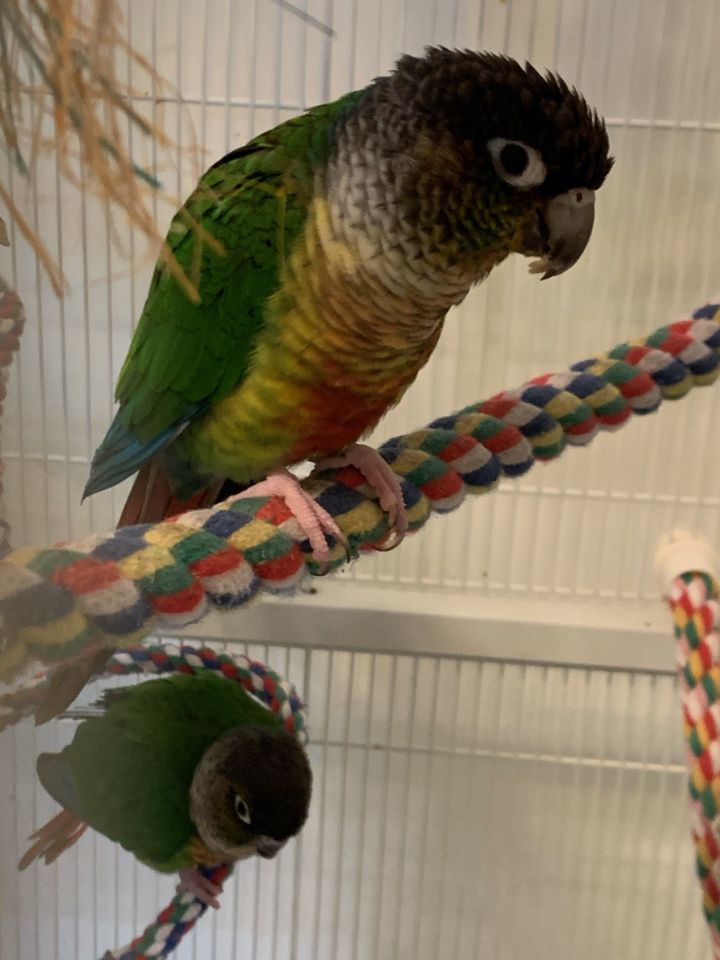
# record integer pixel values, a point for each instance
(384, 481)
(192, 881)
(315, 522)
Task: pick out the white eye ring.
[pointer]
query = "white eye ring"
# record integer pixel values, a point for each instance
(242, 810)
(534, 171)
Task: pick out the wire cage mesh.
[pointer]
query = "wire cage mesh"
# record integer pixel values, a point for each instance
(464, 805)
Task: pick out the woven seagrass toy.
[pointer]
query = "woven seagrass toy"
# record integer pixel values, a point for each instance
(86, 598)
(189, 773)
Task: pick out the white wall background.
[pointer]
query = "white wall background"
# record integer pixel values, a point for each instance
(501, 811)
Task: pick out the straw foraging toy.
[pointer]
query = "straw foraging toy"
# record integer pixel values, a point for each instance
(59, 62)
(690, 578)
(100, 593)
(12, 321)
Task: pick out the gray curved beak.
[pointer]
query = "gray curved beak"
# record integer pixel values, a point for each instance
(267, 847)
(568, 221)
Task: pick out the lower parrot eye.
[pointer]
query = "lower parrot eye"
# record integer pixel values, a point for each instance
(242, 810)
(518, 164)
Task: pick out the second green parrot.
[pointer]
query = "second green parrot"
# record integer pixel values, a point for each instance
(182, 772)
(341, 239)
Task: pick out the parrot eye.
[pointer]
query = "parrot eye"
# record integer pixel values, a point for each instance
(242, 810)
(519, 165)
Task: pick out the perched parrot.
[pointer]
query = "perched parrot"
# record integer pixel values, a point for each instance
(347, 234)
(184, 771)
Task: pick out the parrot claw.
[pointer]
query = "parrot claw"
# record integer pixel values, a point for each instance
(392, 543)
(384, 481)
(192, 881)
(314, 520)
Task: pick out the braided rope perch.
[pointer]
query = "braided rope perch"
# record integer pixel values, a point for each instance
(161, 937)
(112, 589)
(693, 600)
(269, 687)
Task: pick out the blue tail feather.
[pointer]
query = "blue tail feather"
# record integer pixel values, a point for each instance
(121, 454)
(55, 776)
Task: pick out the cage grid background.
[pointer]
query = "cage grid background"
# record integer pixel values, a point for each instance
(464, 806)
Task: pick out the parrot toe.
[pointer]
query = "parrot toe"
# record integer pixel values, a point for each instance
(313, 519)
(384, 481)
(193, 882)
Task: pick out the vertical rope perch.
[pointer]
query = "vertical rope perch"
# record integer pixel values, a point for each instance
(690, 573)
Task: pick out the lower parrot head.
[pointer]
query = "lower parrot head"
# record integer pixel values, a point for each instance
(251, 792)
(492, 155)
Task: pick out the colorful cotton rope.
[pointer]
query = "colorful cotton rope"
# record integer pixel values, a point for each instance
(115, 588)
(153, 659)
(12, 320)
(161, 937)
(693, 599)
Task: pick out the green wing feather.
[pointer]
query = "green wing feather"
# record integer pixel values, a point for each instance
(250, 208)
(128, 773)
(254, 202)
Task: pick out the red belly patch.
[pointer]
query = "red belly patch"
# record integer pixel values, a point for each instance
(337, 416)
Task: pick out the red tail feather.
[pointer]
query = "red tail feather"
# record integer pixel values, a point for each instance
(152, 499)
(54, 838)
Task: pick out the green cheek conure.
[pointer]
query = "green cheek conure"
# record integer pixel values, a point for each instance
(346, 235)
(182, 772)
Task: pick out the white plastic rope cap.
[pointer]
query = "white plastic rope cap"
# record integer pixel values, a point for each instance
(681, 552)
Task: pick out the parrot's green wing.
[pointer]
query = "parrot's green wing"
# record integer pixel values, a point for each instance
(250, 207)
(128, 773)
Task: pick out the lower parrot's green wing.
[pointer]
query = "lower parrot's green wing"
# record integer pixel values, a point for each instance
(250, 208)
(128, 773)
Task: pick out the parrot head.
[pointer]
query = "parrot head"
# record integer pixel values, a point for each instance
(251, 792)
(496, 156)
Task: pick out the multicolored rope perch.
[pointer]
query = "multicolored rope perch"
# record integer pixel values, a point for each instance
(110, 589)
(269, 687)
(693, 596)
(161, 937)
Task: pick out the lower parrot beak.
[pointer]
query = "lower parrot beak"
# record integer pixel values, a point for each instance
(267, 847)
(567, 224)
